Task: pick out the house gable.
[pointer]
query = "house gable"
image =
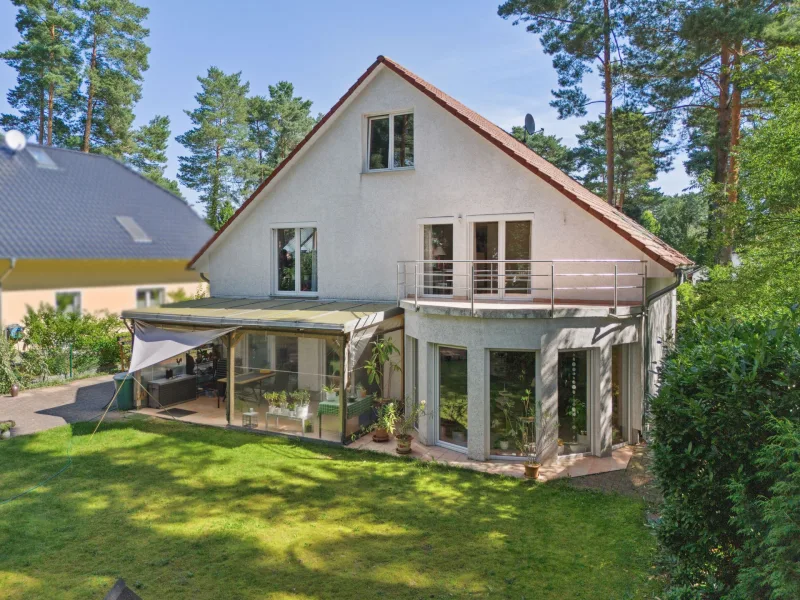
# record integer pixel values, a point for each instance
(368, 221)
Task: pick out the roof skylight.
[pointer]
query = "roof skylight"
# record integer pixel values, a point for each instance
(137, 234)
(42, 158)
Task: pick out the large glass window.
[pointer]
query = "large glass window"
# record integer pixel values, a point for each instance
(573, 402)
(512, 397)
(618, 408)
(391, 142)
(518, 247)
(453, 396)
(293, 275)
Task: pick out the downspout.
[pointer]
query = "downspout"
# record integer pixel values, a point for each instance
(12, 264)
(680, 277)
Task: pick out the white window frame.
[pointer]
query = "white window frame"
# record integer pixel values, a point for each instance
(274, 254)
(75, 292)
(390, 116)
(458, 269)
(149, 295)
(501, 242)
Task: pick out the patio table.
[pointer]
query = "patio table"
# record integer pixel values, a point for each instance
(354, 409)
(251, 380)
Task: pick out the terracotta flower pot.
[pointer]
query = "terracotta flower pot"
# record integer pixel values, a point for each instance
(404, 444)
(532, 470)
(380, 435)
(14, 390)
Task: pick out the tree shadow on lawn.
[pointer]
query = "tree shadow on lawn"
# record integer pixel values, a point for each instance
(183, 516)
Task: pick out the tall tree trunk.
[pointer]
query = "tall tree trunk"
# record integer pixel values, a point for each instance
(722, 152)
(42, 103)
(87, 128)
(609, 104)
(51, 94)
(735, 131)
(50, 97)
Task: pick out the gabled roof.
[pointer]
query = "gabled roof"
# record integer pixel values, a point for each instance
(73, 205)
(651, 245)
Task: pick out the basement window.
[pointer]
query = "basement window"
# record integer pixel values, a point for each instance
(391, 142)
(137, 234)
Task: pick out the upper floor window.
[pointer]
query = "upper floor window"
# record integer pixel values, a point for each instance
(297, 260)
(149, 297)
(391, 142)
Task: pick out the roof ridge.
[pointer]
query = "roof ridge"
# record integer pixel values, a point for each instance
(636, 234)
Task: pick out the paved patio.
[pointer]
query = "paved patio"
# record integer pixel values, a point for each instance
(564, 467)
(45, 408)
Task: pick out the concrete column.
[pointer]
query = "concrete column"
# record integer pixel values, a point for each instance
(600, 395)
(547, 399)
(636, 389)
(477, 404)
(427, 386)
(231, 376)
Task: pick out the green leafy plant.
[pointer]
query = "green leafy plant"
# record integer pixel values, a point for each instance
(276, 398)
(722, 388)
(381, 365)
(387, 417)
(404, 424)
(299, 398)
(8, 358)
(7, 426)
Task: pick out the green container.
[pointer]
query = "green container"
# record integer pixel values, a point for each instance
(124, 395)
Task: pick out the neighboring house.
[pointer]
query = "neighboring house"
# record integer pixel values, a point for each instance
(83, 232)
(406, 215)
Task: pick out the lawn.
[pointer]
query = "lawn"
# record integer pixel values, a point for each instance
(183, 511)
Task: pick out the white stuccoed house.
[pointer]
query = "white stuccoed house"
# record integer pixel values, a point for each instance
(509, 289)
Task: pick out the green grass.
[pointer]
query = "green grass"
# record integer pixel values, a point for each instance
(182, 511)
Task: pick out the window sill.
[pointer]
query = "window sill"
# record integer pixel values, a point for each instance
(378, 171)
(302, 296)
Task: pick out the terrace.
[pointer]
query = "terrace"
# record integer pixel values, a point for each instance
(523, 288)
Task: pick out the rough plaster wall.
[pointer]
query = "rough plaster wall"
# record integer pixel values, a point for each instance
(368, 221)
(548, 337)
(661, 322)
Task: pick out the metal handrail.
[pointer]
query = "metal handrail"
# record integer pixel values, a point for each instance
(490, 280)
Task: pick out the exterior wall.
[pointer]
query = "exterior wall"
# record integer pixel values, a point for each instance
(545, 336)
(368, 221)
(661, 320)
(104, 285)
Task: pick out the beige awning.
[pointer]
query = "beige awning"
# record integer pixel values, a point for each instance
(290, 314)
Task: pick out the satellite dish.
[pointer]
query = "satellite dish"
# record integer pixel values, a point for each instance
(530, 124)
(14, 140)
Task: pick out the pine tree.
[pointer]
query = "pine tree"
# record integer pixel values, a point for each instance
(579, 35)
(218, 144)
(549, 147)
(691, 60)
(641, 152)
(47, 61)
(149, 156)
(116, 58)
(259, 121)
(290, 120)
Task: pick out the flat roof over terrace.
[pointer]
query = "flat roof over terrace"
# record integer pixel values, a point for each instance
(321, 316)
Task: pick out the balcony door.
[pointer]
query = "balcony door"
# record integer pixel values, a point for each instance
(494, 242)
(437, 252)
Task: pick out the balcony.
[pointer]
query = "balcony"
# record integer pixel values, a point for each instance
(523, 288)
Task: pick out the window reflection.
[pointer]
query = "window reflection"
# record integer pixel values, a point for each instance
(512, 397)
(453, 395)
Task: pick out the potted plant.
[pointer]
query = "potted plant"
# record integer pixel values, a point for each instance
(331, 393)
(386, 421)
(5, 429)
(378, 367)
(275, 400)
(298, 399)
(502, 441)
(526, 446)
(404, 426)
(361, 391)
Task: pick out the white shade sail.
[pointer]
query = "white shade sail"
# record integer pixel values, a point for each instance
(152, 344)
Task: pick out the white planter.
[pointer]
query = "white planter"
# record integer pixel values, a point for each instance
(331, 396)
(302, 412)
(504, 445)
(5, 435)
(583, 439)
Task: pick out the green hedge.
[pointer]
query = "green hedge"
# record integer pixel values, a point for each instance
(726, 392)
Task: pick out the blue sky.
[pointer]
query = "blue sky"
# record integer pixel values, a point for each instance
(322, 47)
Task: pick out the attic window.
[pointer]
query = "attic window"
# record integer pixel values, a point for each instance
(137, 234)
(42, 158)
(391, 142)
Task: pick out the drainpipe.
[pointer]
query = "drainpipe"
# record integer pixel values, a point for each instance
(12, 264)
(680, 277)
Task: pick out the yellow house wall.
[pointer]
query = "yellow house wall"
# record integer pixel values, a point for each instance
(104, 285)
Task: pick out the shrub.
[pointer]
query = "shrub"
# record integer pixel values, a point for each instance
(8, 358)
(721, 391)
(50, 333)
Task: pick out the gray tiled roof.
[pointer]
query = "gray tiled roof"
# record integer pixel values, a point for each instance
(71, 211)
